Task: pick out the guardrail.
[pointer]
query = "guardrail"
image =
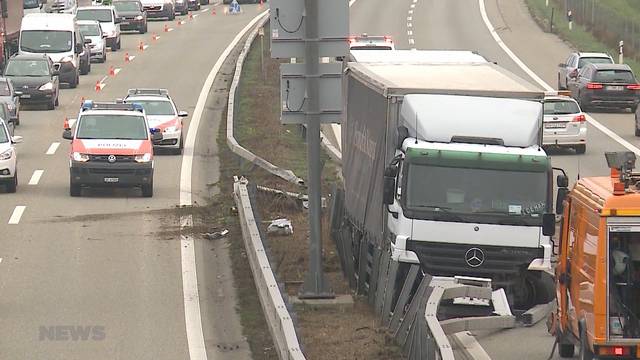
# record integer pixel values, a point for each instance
(275, 309)
(233, 144)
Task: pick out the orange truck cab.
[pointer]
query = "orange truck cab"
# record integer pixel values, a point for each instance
(598, 270)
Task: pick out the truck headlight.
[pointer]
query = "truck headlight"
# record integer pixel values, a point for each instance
(80, 157)
(139, 17)
(6, 155)
(47, 86)
(144, 158)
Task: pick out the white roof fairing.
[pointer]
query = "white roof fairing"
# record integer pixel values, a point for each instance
(440, 117)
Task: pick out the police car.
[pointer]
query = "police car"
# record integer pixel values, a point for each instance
(368, 42)
(162, 114)
(8, 158)
(111, 146)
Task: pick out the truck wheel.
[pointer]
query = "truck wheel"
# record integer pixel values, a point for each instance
(74, 189)
(585, 352)
(12, 185)
(566, 350)
(147, 190)
(545, 288)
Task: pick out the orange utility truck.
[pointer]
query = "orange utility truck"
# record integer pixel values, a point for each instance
(598, 270)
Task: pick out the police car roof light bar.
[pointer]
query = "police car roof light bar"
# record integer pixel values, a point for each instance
(91, 105)
(159, 92)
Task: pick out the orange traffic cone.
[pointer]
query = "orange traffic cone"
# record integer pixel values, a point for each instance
(261, 4)
(112, 71)
(213, 11)
(141, 45)
(98, 86)
(166, 28)
(126, 57)
(65, 125)
(190, 16)
(154, 37)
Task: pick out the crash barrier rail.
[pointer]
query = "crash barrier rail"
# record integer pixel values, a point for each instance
(233, 144)
(273, 304)
(407, 301)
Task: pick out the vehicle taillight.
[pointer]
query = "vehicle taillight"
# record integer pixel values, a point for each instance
(388, 39)
(633, 87)
(580, 118)
(614, 350)
(594, 86)
(352, 40)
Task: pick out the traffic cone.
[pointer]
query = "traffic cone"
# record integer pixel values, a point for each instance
(65, 125)
(179, 22)
(261, 4)
(112, 71)
(98, 86)
(141, 45)
(126, 57)
(82, 100)
(190, 16)
(154, 37)
(213, 11)
(166, 28)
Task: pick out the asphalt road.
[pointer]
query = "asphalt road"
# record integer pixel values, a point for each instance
(458, 25)
(110, 261)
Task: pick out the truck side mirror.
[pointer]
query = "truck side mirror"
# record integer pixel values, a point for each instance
(548, 224)
(562, 195)
(389, 185)
(562, 181)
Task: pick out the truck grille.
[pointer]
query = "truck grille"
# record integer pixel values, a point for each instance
(105, 158)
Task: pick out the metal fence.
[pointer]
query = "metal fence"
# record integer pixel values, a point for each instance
(606, 23)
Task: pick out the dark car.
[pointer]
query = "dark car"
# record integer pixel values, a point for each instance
(134, 17)
(35, 77)
(569, 68)
(85, 56)
(606, 85)
(193, 4)
(11, 97)
(182, 7)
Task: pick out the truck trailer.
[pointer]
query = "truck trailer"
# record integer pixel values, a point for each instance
(598, 271)
(10, 20)
(443, 167)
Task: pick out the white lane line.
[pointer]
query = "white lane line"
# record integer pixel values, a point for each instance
(410, 12)
(411, 42)
(413, 6)
(409, 32)
(52, 148)
(415, 1)
(17, 215)
(35, 178)
(409, 18)
(536, 78)
(409, 25)
(104, 78)
(192, 315)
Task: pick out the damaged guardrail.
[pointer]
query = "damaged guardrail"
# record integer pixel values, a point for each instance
(233, 144)
(276, 313)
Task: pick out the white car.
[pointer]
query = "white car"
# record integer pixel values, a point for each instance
(8, 158)
(368, 42)
(564, 124)
(162, 114)
(109, 21)
(91, 30)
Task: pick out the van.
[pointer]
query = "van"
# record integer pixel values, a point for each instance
(58, 36)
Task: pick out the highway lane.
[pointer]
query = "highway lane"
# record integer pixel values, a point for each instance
(112, 259)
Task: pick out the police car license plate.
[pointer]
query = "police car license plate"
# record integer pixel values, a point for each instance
(555, 125)
(615, 88)
(111, 179)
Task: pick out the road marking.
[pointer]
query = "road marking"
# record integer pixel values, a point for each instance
(413, 6)
(409, 18)
(415, 1)
(409, 32)
(536, 78)
(192, 315)
(410, 12)
(35, 178)
(17, 215)
(52, 149)
(411, 42)
(409, 25)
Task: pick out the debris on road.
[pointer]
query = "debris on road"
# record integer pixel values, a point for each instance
(215, 235)
(280, 227)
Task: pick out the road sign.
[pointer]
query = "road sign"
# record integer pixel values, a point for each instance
(293, 93)
(288, 28)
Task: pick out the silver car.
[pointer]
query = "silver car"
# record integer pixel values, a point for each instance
(564, 124)
(91, 30)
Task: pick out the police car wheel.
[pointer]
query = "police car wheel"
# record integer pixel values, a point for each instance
(147, 190)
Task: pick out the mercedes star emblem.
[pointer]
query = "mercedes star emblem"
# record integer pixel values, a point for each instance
(474, 257)
(111, 158)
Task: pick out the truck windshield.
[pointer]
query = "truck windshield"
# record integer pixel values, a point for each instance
(45, 41)
(121, 127)
(101, 15)
(476, 195)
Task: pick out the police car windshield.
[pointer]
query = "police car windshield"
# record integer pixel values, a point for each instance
(155, 107)
(122, 127)
(101, 15)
